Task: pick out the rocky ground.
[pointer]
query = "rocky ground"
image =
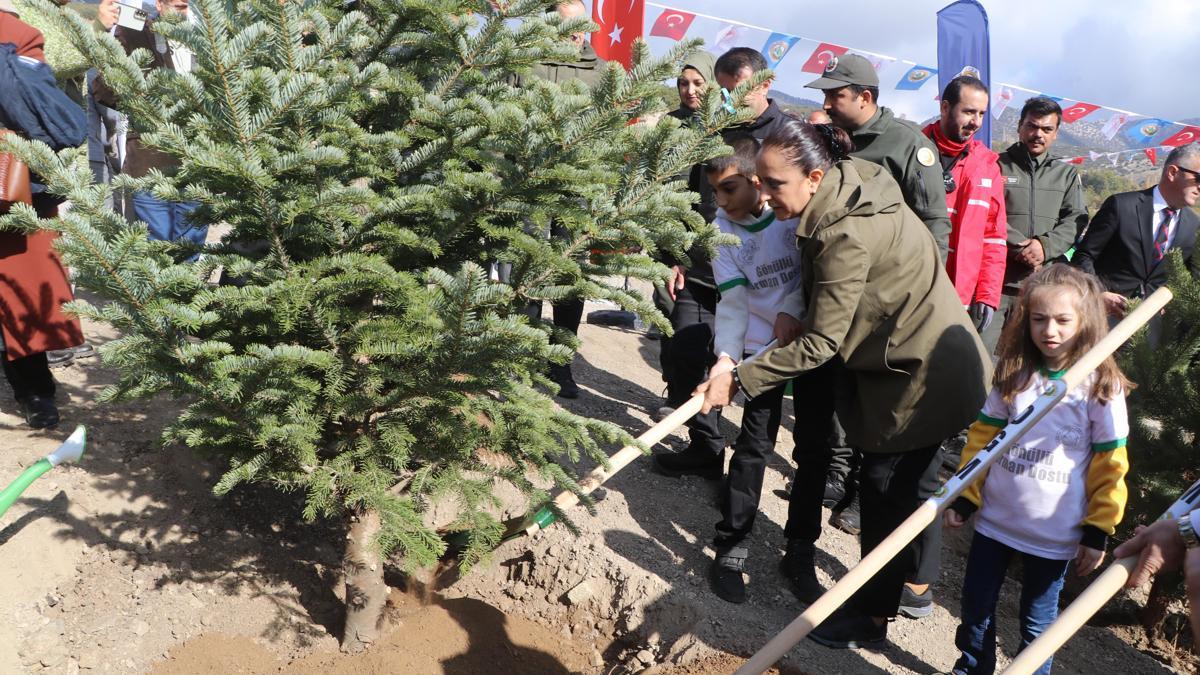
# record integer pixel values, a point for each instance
(127, 563)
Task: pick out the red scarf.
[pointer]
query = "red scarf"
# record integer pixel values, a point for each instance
(944, 145)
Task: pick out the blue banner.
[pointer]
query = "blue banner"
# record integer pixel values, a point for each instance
(964, 49)
(1144, 130)
(915, 77)
(777, 47)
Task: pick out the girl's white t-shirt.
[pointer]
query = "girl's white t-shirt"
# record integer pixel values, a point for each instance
(767, 263)
(1035, 497)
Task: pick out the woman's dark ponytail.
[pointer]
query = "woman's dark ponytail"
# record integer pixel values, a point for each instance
(810, 146)
(837, 140)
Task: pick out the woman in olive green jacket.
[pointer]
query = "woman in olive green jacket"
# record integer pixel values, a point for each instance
(879, 301)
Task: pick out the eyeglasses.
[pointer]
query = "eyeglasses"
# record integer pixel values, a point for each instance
(948, 180)
(1195, 174)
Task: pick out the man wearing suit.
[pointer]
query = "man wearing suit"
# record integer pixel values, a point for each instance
(1132, 232)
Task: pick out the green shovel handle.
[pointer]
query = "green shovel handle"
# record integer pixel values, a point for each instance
(14, 489)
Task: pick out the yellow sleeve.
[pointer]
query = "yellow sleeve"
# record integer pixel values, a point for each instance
(981, 432)
(1106, 490)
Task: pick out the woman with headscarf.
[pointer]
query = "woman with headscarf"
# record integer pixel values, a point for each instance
(690, 299)
(913, 369)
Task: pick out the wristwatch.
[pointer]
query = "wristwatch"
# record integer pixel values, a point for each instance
(1188, 533)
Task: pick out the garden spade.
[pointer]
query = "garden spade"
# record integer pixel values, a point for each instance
(69, 451)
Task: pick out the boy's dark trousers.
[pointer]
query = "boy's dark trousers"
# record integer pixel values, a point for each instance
(820, 441)
(743, 486)
(686, 358)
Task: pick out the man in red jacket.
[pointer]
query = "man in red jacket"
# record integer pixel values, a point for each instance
(974, 198)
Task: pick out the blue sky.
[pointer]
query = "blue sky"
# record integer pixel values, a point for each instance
(1143, 58)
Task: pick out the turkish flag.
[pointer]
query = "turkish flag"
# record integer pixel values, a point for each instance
(820, 57)
(672, 24)
(620, 24)
(1187, 135)
(1078, 111)
(1152, 155)
(1074, 160)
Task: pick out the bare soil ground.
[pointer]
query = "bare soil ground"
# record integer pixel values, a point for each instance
(127, 564)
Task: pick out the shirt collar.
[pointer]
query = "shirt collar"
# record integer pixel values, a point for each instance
(1159, 201)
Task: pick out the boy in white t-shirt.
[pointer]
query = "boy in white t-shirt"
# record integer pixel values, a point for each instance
(756, 281)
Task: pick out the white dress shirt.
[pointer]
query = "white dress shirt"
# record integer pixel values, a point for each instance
(1156, 222)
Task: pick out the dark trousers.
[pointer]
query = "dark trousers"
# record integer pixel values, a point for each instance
(686, 358)
(743, 485)
(1041, 583)
(567, 314)
(29, 376)
(820, 449)
(892, 486)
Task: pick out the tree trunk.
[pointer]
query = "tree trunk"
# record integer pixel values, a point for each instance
(366, 593)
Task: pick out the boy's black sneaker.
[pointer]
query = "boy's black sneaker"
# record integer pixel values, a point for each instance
(835, 492)
(725, 575)
(799, 568)
(847, 519)
(689, 463)
(849, 629)
(916, 606)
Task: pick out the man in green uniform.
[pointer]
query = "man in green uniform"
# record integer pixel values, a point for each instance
(851, 90)
(1044, 200)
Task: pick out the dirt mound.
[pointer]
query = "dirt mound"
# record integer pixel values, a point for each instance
(127, 563)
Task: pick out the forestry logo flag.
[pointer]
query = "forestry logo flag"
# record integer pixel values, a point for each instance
(1078, 111)
(620, 24)
(915, 77)
(672, 24)
(777, 47)
(821, 57)
(1143, 130)
(1187, 135)
(1113, 125)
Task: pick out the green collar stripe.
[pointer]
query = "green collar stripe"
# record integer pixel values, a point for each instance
(1109, 446)
(760, 225)
(994, 421)
(740, 281)
(1052, 374)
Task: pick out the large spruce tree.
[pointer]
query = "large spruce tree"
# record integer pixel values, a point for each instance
(369, 160)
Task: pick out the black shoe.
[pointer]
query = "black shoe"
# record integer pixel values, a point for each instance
(689, 463)
(59, 358)
(83, 351)
(725, 575)
(561, 375)
(40, 411)
(916, 606)
(799, 568)
(847, 519)
(849, 629)
(835, 492)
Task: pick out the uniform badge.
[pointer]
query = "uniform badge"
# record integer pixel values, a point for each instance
(832, 64)
(925, 157)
